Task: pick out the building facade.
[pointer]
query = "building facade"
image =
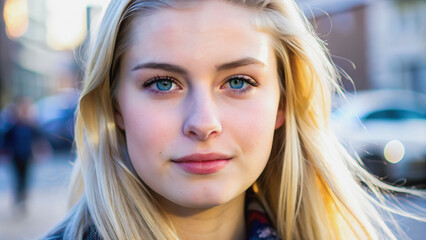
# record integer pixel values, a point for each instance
(384, 39)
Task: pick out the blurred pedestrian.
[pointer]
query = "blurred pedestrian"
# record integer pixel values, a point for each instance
(19, 141)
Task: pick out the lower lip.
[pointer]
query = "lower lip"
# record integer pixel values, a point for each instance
(203, 167)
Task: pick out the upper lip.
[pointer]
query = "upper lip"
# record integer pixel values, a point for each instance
(199, 157)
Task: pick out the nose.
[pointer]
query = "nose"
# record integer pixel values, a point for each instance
(202, 121)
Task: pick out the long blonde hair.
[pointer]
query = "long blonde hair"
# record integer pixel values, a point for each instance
(311, 187)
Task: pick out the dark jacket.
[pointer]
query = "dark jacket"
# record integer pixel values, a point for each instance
(90, 234)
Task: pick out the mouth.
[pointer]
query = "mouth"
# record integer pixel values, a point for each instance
(203, 164)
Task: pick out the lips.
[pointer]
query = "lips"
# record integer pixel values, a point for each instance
(203, 163)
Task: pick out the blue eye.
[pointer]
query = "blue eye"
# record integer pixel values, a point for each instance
(164, 85)
(236, 83)
(240, 84)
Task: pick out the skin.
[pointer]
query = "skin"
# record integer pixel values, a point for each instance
(201, 113)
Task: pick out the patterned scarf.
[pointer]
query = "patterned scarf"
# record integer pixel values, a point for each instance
(258, 225)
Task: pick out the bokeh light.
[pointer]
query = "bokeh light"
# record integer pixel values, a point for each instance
(15, 15)
(394, 151)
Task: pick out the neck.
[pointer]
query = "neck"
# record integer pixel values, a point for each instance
(220, 222)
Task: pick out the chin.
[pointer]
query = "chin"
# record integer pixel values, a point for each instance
(203, 203)
(206, 200)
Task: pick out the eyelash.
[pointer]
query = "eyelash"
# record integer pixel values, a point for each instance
(246, 79)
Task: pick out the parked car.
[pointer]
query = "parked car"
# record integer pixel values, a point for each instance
(387, 129)
(55, 117)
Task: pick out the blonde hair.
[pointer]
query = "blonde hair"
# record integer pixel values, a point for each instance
(311, 187)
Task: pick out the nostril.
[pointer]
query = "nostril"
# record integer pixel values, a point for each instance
(201, 134)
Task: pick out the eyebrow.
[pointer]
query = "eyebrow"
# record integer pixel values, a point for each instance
(181, 71)
(239, 63)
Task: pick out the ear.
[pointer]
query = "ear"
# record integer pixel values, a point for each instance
(118, 118)
(280, 119)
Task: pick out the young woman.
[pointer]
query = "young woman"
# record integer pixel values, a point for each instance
(209, 120)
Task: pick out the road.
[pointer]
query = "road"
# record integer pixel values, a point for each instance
(47, 202)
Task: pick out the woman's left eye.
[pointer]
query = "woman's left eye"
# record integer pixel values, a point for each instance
(240, 84)
(237, 83)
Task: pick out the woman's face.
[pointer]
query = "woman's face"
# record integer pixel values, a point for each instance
(198, 101)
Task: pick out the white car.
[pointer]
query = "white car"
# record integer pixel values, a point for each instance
(387, 129)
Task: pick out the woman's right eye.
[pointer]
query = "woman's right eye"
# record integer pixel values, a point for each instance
(162, 85)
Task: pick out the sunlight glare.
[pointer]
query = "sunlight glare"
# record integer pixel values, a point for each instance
(66, 23)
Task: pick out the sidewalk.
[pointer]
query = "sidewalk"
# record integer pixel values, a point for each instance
(46, 203)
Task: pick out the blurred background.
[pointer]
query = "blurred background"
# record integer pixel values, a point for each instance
(381, 44)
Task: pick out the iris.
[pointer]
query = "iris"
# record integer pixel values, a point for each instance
(164, 85)
(236, 83)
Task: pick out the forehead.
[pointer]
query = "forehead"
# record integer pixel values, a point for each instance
(209, 28)
(217, 15)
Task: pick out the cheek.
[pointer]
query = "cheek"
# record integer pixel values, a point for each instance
(254, 127)
(148, 132)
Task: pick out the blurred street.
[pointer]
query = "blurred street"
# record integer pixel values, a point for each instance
(46, 203)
